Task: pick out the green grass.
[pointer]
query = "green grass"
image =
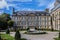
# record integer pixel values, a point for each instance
(56, 38)
(7, 37)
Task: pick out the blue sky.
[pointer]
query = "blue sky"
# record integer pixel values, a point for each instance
(27, 5)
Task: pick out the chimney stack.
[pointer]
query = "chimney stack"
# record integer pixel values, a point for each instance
(13, 11)
(47, 10)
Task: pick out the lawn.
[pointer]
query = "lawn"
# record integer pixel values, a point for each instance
(56, 38)
(7, 37)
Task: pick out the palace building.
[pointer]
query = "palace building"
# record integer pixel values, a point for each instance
(38, 19)
(55, 13)
(25, 19)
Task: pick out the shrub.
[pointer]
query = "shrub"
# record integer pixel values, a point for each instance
(27, 29)
(17, 35)
(57, 38)
(0, 38)
(59, 34)
(23, 39)
(35, 28)
(8, 31)
(15, 29)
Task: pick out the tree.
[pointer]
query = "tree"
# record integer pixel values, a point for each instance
(0, 38)
(17, 35)
(35, 28)
(4, 18)
(7, 31)
(10, 23)
(28, 29)
(3, 25)
(59, 33)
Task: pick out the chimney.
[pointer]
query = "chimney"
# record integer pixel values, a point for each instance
(13, 10)
(47, 10)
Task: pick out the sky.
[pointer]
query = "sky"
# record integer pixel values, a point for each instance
(25, 5)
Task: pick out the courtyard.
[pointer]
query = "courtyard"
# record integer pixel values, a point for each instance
(49, 36)
(30, 20)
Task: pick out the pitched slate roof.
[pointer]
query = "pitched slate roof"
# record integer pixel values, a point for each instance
(58, 6)
(58, 1)
(37, 13)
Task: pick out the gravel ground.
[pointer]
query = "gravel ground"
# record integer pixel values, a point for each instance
(48, 36)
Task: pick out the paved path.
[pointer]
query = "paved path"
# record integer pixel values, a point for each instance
(48, 36)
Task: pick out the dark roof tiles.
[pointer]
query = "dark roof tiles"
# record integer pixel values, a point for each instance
(26, 13)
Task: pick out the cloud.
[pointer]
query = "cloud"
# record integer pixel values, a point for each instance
(24, 4)
(48, 3)
(24, 9)
(20, 0)
(27, 9)
(42, 2)
(4, 4)
(1, 12)
(51, 5)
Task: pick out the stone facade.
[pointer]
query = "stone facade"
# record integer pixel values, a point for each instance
(39, 19)
(32, 19)
(55, 13)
